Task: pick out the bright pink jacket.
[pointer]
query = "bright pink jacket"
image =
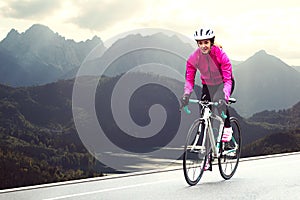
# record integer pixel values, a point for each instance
(214, 68)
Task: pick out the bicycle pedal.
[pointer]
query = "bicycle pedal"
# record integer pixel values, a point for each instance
(197, 148)
(231, 154)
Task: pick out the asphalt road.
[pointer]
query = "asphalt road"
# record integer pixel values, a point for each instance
(272, 177)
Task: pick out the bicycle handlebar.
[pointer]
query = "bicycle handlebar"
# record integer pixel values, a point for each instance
(187, 110)
(207, 103)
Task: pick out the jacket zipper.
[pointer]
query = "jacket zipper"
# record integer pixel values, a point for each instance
(208, 64)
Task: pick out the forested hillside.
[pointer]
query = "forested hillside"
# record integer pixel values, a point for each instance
(40, 144)
(286, 137)
(38, 141)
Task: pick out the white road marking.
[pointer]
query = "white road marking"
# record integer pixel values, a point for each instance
(106, 190)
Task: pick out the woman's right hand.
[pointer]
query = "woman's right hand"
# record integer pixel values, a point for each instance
(184, 100)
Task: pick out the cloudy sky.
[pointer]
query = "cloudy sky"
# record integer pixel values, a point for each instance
(242, 27)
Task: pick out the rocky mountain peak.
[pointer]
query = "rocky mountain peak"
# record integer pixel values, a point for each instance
(39, 29)
(13, 33)
(261, 52)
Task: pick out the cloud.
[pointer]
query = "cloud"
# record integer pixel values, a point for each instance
(99, 15)
(29, 9)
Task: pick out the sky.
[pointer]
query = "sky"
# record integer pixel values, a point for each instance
(242, 27)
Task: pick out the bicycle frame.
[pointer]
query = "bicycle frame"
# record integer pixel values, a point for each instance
(208, 130)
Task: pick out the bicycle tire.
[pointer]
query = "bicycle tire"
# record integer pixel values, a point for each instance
(229, 163)
(194, 161)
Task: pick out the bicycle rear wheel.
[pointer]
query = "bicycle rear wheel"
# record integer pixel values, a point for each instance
(195, 153)
(230, 152)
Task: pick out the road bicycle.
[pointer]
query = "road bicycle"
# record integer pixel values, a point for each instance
(202, 147)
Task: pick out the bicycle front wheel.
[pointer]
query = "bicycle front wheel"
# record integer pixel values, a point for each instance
(230, 152)
(195, 154)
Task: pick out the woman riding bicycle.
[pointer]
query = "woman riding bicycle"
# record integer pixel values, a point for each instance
(215, 73)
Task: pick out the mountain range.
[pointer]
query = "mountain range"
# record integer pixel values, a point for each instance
(264, 82)
(39, 56)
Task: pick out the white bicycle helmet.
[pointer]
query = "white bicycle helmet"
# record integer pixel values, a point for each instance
(203, 34)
